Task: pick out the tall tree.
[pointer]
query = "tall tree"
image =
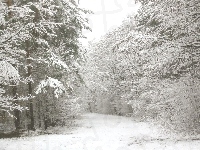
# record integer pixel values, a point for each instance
(34, 32)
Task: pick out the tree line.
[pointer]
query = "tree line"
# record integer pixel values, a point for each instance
(40, 57)
(149, 66)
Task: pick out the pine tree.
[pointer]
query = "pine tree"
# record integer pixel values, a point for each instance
(33, 37)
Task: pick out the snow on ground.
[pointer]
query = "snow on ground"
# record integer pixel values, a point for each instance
(102, 132)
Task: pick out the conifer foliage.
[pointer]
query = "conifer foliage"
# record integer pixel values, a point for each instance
(39, 48)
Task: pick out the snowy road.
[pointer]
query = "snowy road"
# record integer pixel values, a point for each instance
(102, 132)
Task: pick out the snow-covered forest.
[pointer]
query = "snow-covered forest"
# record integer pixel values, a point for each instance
(40, 62)
(149, 66)
(146, 70)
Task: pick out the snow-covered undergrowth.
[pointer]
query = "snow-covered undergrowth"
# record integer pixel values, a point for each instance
(102, 132)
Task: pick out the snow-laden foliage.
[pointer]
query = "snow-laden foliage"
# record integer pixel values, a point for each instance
(8, 73)
(53, 83)
(57, 62)
(38, 39)
(145, 62)
(8, 104)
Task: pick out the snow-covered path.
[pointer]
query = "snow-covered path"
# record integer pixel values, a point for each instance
(102, 132)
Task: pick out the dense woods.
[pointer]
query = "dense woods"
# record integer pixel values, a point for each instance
(39, 55)
(147, 68)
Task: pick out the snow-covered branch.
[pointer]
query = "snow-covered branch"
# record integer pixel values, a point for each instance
(53, 83)
(8, 73)
(9, 38)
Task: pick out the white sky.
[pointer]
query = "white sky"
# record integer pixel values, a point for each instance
(108, 14)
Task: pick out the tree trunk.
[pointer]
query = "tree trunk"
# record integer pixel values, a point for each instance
(9, 3)
(29, 72)
(29, 67)
(16, 111)
(39, 113)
